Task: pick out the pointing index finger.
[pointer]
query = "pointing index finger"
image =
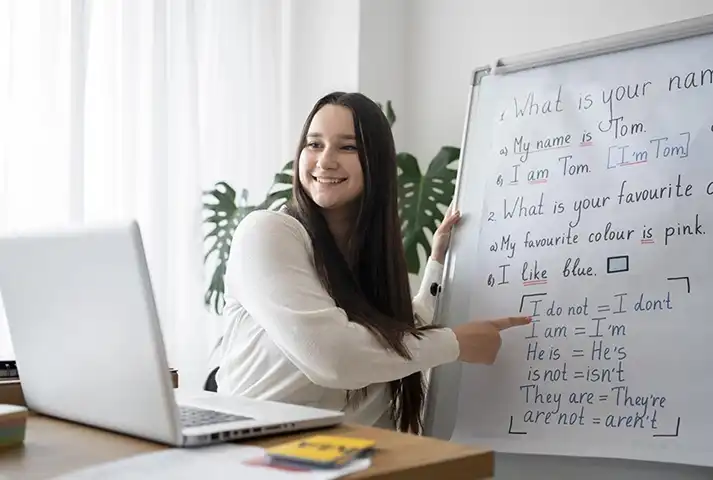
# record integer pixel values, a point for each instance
(508, 322)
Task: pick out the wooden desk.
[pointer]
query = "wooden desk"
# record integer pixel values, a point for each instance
(53, 447)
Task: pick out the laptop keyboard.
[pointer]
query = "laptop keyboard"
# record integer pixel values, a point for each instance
(195, 417)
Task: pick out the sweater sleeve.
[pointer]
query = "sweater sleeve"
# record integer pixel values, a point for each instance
(424, 303)
(271, 273)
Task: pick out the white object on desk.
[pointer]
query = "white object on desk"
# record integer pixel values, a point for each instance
(219, 462)
(13, 424)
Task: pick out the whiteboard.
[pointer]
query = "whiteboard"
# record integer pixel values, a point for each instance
(586, 186)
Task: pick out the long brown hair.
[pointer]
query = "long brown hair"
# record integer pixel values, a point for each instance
(371, 284)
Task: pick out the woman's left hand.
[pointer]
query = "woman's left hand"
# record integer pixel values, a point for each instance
(443, 234)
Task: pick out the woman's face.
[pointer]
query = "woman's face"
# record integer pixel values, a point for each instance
(329, 167)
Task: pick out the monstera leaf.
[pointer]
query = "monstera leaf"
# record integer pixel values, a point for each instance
(420, 197)
(224, 214)
(281, 190)
(388, 111)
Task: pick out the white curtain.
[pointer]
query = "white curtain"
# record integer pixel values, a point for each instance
(130, 108)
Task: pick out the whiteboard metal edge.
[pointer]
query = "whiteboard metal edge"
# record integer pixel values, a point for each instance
(442, 399)
(447, 375)
(668, 32)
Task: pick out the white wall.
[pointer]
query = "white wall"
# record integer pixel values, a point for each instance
(446, 41)
(382, 57)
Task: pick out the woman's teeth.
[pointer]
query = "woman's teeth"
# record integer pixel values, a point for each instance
(331, 181)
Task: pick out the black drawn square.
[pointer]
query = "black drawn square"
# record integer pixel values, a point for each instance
(618, 264)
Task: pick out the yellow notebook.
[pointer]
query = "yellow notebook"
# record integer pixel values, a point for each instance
(322, 450)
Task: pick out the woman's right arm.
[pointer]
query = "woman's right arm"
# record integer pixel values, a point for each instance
(271, 273)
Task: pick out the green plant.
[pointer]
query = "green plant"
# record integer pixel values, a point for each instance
(422, 197)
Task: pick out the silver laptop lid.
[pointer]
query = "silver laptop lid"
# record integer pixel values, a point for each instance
(85, 330)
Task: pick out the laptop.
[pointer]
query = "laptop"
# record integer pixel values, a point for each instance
(89, 347)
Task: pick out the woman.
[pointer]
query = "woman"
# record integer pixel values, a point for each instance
(318, 294)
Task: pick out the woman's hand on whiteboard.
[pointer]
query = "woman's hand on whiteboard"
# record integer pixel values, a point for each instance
(480, 340)
(443, 234)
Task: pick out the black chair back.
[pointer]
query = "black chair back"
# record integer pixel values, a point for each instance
(210, 383)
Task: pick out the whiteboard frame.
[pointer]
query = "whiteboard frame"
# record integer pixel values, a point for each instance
(442, 400)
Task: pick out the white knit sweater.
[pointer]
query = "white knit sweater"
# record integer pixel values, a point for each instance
(286, 339)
